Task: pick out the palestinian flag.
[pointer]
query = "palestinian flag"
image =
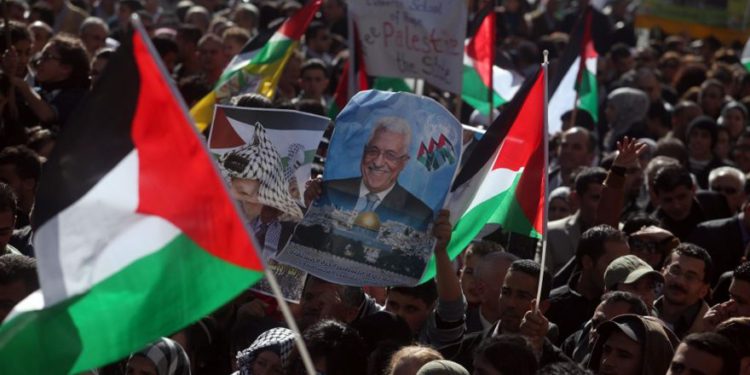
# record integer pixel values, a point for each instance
(341, 95)
(502, 183)
(262, 71)
(136, 234)
(575, 85)
(746, 55)
(480, 72)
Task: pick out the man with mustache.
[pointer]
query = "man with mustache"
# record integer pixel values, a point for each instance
(687, 273)
(384, 157)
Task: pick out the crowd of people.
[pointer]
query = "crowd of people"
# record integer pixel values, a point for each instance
(647, 268)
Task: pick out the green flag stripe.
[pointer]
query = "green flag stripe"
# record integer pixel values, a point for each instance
(475, 91)
(502, 209)
(124, 312)
(588, 98)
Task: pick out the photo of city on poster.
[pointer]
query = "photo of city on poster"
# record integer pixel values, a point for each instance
(390, 163)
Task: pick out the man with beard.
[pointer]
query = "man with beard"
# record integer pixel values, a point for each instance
(687, 273)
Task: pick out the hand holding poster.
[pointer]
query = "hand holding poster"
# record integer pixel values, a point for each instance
(266, 156)
(390, 164)
(413, 39)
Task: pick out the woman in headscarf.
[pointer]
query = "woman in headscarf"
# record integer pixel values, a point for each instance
(626, 115)
(734, 118)
(164, 357)
(559, 203)
(268, 355)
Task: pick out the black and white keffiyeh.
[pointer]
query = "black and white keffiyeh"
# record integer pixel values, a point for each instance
(277, 340)
(168, 357)
(259, 160)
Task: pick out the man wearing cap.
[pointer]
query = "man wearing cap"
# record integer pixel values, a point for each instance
(632, 345)
(578, 346)
(631, 274)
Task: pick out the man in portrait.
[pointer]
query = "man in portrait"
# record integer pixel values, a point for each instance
(377, 189)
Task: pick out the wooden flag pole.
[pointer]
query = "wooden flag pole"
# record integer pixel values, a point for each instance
(545, 144)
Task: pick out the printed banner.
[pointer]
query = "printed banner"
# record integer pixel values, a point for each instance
(413, 39)
(265, 156)
(391, 160)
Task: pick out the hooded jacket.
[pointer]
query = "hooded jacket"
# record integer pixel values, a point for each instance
(658, 343)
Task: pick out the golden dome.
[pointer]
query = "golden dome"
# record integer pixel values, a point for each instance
(368, 220)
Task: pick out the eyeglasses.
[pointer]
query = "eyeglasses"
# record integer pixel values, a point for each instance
(372, 152)
(691, 277)
(46, 56)
(639, 245)
(728, 190)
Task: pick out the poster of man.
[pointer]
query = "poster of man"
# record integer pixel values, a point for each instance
(264, 154)
(391, 160)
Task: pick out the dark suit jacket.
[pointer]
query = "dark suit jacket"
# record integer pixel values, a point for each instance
(399, 202)
(723, 240)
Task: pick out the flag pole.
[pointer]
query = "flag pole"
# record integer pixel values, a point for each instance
(353, 88)
(304, 353)
(545, 144)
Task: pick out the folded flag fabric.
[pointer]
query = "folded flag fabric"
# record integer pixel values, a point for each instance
(575, 85)
(256, 72)
(136, 235)
(480, 69)
(502, 182)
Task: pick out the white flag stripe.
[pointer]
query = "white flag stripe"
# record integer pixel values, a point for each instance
(98, 235)
(564, 98)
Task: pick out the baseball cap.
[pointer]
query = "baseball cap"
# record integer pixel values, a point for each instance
(629, 324)
(628, 269)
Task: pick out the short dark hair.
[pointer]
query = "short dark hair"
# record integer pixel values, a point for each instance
(352, 296)
(8, 199)
(620, 51)
(593, 240)
(73, 54)
(16, 267)
(742, 272)
(737, 330)
(635, 303)
(337, 343)
(508, 354)
(694, 251)
(588, 176)
(252, 100)
(190, 32)
(313, 28)
(638, 221)
(24, 159)
(483, 247)
(533, 269)
(18, 32)
(703, 123)
(670, 177)
(425, 292)
(314, 63)
(165, 45)
(716, 345)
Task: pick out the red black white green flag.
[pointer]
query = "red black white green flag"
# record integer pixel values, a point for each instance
(136, 235)
(502, 182)
(574, 85)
